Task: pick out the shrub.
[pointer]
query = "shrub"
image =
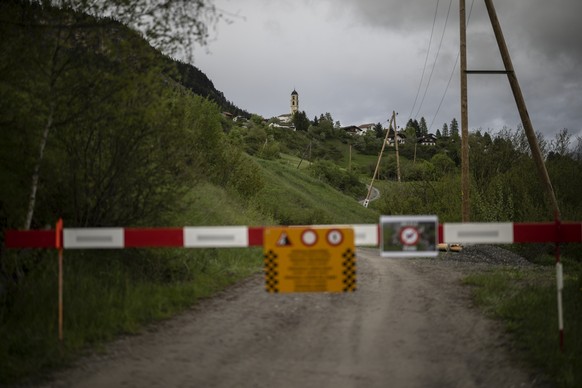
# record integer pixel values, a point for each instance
(346, 182)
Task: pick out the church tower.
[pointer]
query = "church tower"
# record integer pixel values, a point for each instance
(294, 102)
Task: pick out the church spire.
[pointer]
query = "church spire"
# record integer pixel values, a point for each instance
(294, 101)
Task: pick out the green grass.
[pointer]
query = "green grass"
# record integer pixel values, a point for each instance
(293, 197)
(294, 161)
(358, 159)
(110, 293)
(107, 294)
(525, 300)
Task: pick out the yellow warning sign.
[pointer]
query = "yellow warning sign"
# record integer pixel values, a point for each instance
(305, 259)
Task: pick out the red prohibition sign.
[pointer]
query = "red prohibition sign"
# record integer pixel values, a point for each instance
(335, 237)
(309, 237)
(409, 235)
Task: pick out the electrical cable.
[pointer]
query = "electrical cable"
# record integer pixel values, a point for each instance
(425, 61)
(435, 59)
(452, 73)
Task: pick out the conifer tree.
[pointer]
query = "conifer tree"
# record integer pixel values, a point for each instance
(445, 131)
(454, 129)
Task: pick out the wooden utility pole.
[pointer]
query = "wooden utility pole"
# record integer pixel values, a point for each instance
(396, 145)
(367, 200)
(521, 107)
(465, 183)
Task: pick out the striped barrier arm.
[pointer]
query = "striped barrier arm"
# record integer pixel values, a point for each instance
(249, 236)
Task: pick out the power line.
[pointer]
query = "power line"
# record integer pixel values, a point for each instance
(425, 60)
(452, 73)
(435, 59)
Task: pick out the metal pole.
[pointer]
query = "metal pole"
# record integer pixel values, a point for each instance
(465, 185)
(521, 107)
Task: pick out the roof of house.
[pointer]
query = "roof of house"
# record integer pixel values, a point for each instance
(352, 128)
(430, 138)
(367, 126)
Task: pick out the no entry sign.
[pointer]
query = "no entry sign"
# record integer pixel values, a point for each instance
(408, 236)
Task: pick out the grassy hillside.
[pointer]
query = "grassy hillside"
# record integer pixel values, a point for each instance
(133, 288)
(294, 198)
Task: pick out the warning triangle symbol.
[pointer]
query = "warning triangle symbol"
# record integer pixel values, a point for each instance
(283, 240)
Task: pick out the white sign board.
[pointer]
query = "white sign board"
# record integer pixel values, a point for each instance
(408, 236)
(93, 238)
(478, 233)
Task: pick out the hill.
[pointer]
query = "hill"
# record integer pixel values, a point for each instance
(195, 80)
(102, 130)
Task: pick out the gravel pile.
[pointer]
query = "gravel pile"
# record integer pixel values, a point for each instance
(486, 254)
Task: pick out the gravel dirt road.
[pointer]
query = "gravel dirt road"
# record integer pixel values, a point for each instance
(410, 324)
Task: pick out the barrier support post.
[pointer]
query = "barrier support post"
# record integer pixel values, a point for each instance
(559, 282)
(59, 246)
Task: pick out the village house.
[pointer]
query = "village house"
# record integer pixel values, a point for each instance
(353, 129)
(365, 128)
(428, 140)
(400, 137)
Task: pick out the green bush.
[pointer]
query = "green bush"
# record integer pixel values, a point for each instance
(344, 181)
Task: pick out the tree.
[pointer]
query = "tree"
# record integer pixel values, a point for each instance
(423, 127)
(577, 153)
(487, 139)
(301, 121)
(256, 119)
(445, 131)
(174, 28)
(443, 164)
(561, 143)
(454, 129)
(438, 134)
(66, 32)
(414, 124)
(379, 130)
(410, 133)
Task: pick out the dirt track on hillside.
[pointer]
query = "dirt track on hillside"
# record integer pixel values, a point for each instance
(410, 324)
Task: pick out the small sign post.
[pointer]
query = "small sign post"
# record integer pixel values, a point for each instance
(309, 259)
(408, 236)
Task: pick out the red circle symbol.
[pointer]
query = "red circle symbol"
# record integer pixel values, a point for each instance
(335, 237)
(409, 235)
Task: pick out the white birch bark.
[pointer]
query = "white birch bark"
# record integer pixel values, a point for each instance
(36, 172)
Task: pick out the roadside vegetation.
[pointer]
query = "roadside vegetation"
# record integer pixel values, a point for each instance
(525, 300)
(101, 129)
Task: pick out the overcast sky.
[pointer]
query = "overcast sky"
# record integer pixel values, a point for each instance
(361, 59)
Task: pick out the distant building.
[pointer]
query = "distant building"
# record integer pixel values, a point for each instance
(285, 120)
(353, 129)
(294, 101)
(366, 128)
(400, 137)
(428, 140)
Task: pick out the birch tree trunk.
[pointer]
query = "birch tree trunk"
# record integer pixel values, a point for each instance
(36, 172)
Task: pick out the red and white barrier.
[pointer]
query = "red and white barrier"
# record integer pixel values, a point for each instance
(243, 236)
